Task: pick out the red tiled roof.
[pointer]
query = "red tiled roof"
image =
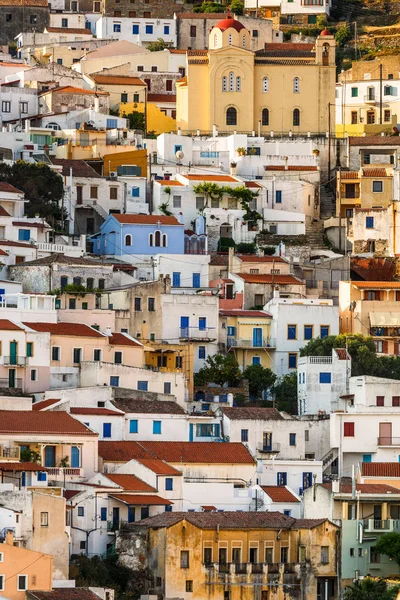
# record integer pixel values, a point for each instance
(3, 252)
(375, 140)
(130, 482)
(117, 80)
(80, 168)
(71, 329)
(160, 467)
(372, 285)
(7, 187)
(168, 182)
(147, 406)
(6, 325)
(21, 466)
(48, 422)
(253, 413)
(365, 488)
(120, 339)
(224, 520)
(290, 168)
(287, 50)
(3, 212)
(69, 89)
(381, 469)
(279, 493)
(34, 224)
(308, 523)
(349, 175)
(276, 279)
(17, 244)
(161, 98)
(82, 410)
(252, 184)
(377, 172)
(206, 177)
(147, 219)
(253, 258)
(177, 452)
(210, 507)
(45, 403)
(142, 500)
(68, 494)
(244, 313)
(76, 30)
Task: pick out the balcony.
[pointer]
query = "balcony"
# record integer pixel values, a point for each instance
(270, 449)
(17, 361)
(381, 525)
(193, 333)
(389, 441)
(10, 453)
(6, 383)
(241, 343)
(250, 568)
(370, 98)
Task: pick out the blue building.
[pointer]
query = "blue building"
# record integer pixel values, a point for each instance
(122, 235)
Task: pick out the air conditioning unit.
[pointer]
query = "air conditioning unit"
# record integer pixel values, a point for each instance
(113, 174)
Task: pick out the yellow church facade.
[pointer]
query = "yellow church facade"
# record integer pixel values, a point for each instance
(285, 87)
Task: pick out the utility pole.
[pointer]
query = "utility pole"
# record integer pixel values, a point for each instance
(329, 142)
(380, 93)
(150, 183)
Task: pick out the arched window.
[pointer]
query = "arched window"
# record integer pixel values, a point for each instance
(157, 241)
(224, 84)
(215, 40)
(128, 240)
(325, 55)
(164, 240)
(265, 84)
(296, 117)
(238, 84)
(243, 41)
(231, 116)
(230, 39)
(151, 240)
(296, 85)
(265, 116)
(231, 82)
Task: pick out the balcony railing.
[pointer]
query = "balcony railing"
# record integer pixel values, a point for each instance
(197, 334)
(6, 383)
(271, 448)
(18, 361)
(250, 568)
(382, 525)
(241, 343)
(12, 453)
(64, 471)
(388, 441)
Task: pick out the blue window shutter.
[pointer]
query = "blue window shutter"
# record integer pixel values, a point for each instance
(142, 386)
(307, 480)
(325, 377)
(217, 430)
(24, 235)
(135, 192)
(324, 331)
(114, 380)
(156, 427)
(196, 280)
(166, 29)
(135, 29)
(103, 513)
(107, 430)
(176, 279)
(231, 331)
(75, 457)
(202, 323)
(111, 124)
(169, 484)
(133, 426)
(369, 222)
(256, 360)
(42, 476)
(278, 197)
(202, 351)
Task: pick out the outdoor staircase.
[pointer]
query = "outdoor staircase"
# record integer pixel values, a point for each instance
(328, 459)
(315, 234)
(327, 202)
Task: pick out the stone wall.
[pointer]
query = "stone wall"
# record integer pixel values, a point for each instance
(160, 9)
(362, 247)
(23, 18)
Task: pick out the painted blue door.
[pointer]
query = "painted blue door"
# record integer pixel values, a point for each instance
(50, 456)
(13, 353)
(184, 326)
(196, 280)
(190, 432)
(131, 514)
(257, 337)
(75, 458)
(23, 479)
(2, 292)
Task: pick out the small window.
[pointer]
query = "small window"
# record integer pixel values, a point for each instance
(29, 349)
(167, 387)
(189, 585)
(325, 555)
(292, 361)
(44, 519)
(324, 331)
(77, 355)
(106, 430)
(33, 375)
(184, 559)
(354, 92)
(128, 240)
(151, 304)
(281, 478)
(142, 386)
(231, 116)
(202, 352)
(157, 427)
(149, 29)
(133, 426)
(380, 400)
(97, 355)
(369, 222)
(102, 284)
(348, 429)
(103, 513)
(292, 332)
(138, 304)
(265, 117)
(265, 84)
(177, 201)
(325, 377)
(296, 85)
(169, 484)
(308, 332)
(245, 435)
(118, 358)
(292, 439)
(395, 400)
(278, 197)
(296, 117)
(377, 186)
(22, 583)
(82, 545)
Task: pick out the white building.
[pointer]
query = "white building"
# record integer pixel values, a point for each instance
(193, 269)
(358, 101)
(298, 475)
(290, 8)
(321, 381)
(295, 322)
(17, 103)
(277, 498)
(140, 31)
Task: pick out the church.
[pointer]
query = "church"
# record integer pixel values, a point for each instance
(284, 87)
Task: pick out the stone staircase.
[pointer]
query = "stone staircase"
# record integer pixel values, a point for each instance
(327, 202)
(315, 234)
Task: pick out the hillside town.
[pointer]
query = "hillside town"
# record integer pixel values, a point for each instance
(200, 300)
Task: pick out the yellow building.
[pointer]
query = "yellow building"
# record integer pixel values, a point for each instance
(247, 333)
(23, 570)
(122, 89)
(156, 113)
(171, 358)
(285, 87)
(369, 187)
(237, 555)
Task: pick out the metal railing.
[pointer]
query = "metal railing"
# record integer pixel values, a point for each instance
(381, 525)
(63, 471)
(388, 441)
(270, 448)
(18, 361)
(264, 343)
(6, 383)
(10, 452)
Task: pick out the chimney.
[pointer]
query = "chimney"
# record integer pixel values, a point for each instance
(10, 537)
(276, 294)
(96, 104)
(335, 486)
(231, 252)
(214, 131)
(108, 331)
(232, 168)
(180, 218)
(179, 132)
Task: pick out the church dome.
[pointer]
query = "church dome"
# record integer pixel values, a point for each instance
(229, 22)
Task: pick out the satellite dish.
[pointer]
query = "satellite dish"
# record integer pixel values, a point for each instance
(179, 155)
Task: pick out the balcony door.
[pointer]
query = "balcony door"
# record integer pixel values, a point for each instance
(257, 337)
(13, 353)
(50, 456)
(385, 434)
(267, 440)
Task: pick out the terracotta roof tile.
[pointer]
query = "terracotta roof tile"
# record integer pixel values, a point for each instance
(365, 488)
(73, 30)
(161, 98)
(7, 187)
(120, 339)
(84, 410)
(158, 466)
(69, 89)
(64, 594)
(35, 224)
(245, 313)
(21, 466)
(70, 329)
(146, 406)
(222, 520)
(3, 252)
(287, 50)
(375, 285)
(147, 219)
(130, 482)
(142, 499)
(253, 258)
(17, 244)
(45, 403)
(276, 279)
(206, 177)
(252, 184)
(253, 413)
(279, 493)
(80, 168)
(290, 168)
(48, 422)
(377, 172)
(168, 182)
(308, 523)
(68, 494)
(381, 469)
(6, 325)
(349, 175)
(58, 258)
(177, 452)
(375, 140)
(117, 80)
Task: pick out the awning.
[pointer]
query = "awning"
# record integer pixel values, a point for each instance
(384, 319)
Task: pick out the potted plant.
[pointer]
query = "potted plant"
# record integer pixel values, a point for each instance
(241, 151)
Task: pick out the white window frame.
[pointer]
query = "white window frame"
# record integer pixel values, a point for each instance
(130, 236)
(77, 348)
(101, 354)
(33, 371)
(42, 523)
(59, 353)
(2, 581)
(1, 557)
(26, 582)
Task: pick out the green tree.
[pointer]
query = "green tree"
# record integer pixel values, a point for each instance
(259, 379)
(136, 120)
(389, 544)
(208, 7)
(342, 35)
(43, 188)
(370, 589)
(237, 7)
(219, 369)
(246, 248)
(158, 45)
(286, 393)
